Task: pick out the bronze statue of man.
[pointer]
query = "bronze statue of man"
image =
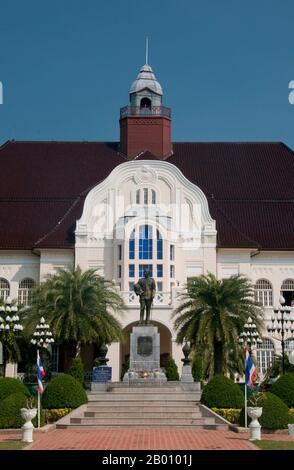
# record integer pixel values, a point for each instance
(145, 288)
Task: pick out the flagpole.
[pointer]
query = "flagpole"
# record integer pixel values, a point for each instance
(38, 396)
(245, 403)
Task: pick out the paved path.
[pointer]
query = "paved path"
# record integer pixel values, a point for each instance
(141, 439)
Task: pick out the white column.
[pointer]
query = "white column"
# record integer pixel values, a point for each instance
(114, 360)
(177, 354)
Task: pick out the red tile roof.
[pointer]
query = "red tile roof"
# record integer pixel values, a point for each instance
(249, 187)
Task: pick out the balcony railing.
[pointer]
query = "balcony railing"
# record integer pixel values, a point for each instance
(145, 111)
(161, 298)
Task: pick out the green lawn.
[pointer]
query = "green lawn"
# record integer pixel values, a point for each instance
(12, 445)
(275, 445)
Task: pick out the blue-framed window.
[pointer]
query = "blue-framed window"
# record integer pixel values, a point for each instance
(159, 245)
(132, 245)
(172, 271)
(144, 267)
(159, 270)
(172, 252)
(119, 271)
(145, 242)
(131, 270)
(159, 286)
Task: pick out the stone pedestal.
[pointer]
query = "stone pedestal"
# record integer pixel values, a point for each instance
(187, 382)
(145, 355)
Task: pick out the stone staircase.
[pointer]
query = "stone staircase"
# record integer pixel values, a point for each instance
(139, 407)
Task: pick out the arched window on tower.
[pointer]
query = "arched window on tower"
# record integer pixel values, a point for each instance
(159, 245)
(264, 293)
(145, 106)
(25, 291)
(4, 288)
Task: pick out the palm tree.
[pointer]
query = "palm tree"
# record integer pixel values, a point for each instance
(79, 306)
(212, 315)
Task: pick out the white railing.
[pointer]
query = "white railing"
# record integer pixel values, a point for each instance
(161, 298)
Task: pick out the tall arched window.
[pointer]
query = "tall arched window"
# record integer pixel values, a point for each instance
(159, 245)
(145, 242)
(287, 291)
(264, 293)
(25, 291)
(265, 355)
(132, 245)
(4, 288)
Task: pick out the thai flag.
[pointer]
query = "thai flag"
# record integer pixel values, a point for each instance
(40, 373)
(250, 370)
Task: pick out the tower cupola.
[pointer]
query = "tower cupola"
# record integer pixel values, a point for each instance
(145, 124)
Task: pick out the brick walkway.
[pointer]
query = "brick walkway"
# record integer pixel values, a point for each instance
(140, 439)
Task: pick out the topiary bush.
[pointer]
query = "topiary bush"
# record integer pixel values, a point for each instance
(275, 413)
(171, 370)
(221, 392)
(77, 370)
(64, 391)
(284, 388)
(197, 369)
(8, 386)
(10, 410)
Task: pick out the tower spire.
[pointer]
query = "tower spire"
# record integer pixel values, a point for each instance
(146, 51)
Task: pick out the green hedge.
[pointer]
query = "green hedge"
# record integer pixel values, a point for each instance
(8, 386)
(77, 370)
(221, 392)
(230, 414)
(275, 413)
(64, 392)
(10, 411)
(284, 388)
(171, 370)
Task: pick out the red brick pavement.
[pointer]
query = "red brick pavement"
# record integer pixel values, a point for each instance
(140, 439)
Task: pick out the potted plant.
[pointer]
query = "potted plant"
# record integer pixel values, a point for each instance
(30, 411)
(255, 411)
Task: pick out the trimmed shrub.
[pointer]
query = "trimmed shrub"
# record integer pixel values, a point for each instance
(10, 411)
(171, 370)
(64, 392)
(275, 413)
(8, 386)
(221, 392)
(231, 415)
(197, 369)
(77, 370)
(284, 388)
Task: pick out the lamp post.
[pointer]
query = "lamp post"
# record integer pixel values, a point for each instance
(42, 338)
(281, 324)
(9, 325)
(249, 337)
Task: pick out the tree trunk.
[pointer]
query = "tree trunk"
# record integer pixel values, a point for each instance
(78, 349)
(218, 357)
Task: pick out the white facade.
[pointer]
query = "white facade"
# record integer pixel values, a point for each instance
(179, 242)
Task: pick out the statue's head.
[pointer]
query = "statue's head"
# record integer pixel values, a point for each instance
(146, 273)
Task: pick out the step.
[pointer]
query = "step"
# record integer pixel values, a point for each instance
(146, 390)
(142, 414)
(142, 421)
(144, 396)
(146, 403)
(125, 407)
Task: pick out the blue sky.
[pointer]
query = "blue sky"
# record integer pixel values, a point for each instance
(66, 67)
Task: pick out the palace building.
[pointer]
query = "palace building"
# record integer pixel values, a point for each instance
(180, 209)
